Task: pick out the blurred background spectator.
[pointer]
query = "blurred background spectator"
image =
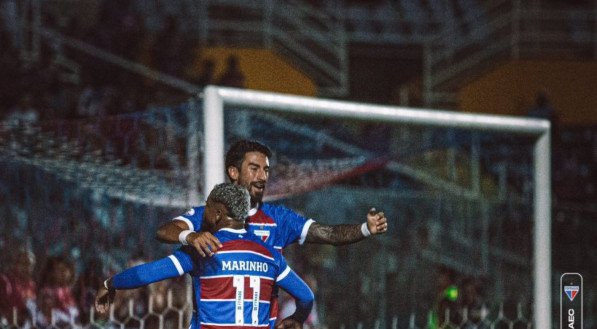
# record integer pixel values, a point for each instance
(18, 291)
(57, 300)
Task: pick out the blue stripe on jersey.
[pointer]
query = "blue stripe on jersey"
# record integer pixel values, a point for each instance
(210, 312)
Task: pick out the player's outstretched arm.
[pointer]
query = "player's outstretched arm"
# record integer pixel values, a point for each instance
(169, 232)
(300, 291)
(342, 234)
(142, 275)
(177, 231)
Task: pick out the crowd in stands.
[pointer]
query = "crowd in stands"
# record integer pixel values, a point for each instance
(55, 295)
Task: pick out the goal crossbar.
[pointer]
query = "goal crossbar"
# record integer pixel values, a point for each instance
(215, 98)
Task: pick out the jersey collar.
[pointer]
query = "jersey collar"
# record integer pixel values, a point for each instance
(253, 211)
(238, 231)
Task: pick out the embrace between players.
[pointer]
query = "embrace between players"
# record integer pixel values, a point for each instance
(231, 248)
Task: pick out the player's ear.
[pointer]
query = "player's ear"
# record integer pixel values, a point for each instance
(233, 173)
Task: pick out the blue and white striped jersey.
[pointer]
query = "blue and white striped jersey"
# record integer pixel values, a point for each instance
(234, 287)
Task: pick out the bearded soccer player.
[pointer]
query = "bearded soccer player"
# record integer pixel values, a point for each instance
(233, 288)
(247, 164)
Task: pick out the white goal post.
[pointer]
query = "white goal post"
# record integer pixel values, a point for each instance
(216, 97)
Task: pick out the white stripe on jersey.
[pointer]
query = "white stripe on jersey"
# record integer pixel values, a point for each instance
(244, 252)
(253, 211)
(176, 264)
(206, 277)
(234, 325)
(264, 224)
(305, 231)
(283, 274)
(186, 220)
(205, 300)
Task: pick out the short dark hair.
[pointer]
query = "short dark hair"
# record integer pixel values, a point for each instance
(235, 198)
(236, 152)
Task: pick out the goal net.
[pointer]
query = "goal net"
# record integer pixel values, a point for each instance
(95, 187)
(466, 196)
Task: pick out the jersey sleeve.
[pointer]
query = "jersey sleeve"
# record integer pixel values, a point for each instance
(193, 218)
(172, 266)
(288, 280)
(292, 226)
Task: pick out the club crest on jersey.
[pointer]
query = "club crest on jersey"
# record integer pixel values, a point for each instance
(571, 291)
(263, 234)
(191, 212)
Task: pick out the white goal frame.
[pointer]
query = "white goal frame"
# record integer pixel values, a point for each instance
(215, 98)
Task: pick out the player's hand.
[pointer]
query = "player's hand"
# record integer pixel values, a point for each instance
(289, 323)
(103, 299)
(376, 222)
(205, 243)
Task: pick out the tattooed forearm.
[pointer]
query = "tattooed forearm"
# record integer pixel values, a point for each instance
(336, 235)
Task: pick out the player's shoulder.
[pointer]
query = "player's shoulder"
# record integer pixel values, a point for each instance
(275, 208)
(252, 237)
(249, 236)
(194, 211)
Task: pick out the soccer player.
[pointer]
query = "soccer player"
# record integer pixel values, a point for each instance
(247, 164)
(234, 287)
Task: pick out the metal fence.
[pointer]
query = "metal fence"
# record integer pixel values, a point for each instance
(173, 310)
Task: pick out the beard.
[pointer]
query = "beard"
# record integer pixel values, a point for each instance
(256, 191)
(255, 199)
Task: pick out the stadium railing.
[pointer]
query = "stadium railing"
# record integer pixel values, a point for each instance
(143, 314)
